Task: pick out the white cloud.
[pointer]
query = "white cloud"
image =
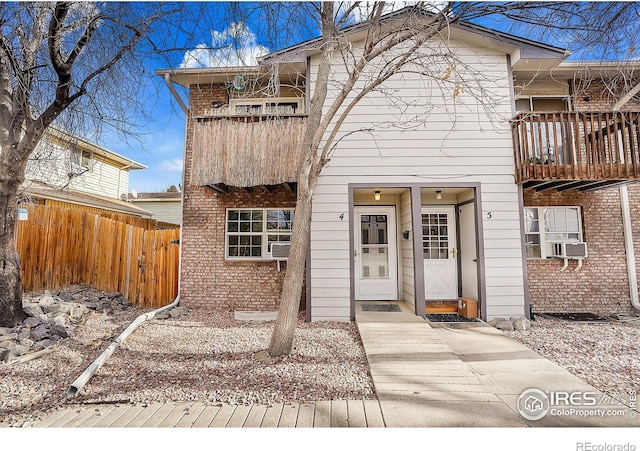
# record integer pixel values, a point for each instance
(173, 165)
(235, 46)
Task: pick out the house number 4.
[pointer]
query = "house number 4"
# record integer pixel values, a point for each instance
(489, 215)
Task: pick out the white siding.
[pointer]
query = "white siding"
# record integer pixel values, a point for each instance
(459, 143)
(406, 251)
(51, 164)
(165, 211)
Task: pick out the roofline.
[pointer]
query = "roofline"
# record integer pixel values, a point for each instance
(460, 24)
(354, 28)
(127, 163)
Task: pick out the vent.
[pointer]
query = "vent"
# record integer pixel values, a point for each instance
(380, 308)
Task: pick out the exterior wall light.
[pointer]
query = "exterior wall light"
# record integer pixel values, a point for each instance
(376, 195)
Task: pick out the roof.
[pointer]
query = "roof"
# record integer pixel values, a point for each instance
(41, 191)
(150, 197)
(98, 151)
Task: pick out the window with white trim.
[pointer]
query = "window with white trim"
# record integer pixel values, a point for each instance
(547, 225)
(251, 231)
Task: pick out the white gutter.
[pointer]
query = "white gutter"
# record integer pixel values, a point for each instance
(97, 363)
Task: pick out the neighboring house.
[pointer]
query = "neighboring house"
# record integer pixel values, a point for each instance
(69, 171)
(422, 214)
(166, 207)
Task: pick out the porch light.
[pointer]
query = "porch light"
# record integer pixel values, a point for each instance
(438, 194)
(376, 195)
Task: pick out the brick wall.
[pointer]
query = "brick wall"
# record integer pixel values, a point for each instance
(209, 281)
(602, 285)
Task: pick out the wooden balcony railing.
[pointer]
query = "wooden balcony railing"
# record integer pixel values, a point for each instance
(584, 150)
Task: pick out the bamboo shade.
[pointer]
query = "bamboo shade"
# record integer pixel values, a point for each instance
(245, 152)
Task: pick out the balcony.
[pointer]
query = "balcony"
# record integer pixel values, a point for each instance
(247, 150)
(581, 150)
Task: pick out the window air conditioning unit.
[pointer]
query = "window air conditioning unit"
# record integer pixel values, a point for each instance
(280, 252)
(572, 251)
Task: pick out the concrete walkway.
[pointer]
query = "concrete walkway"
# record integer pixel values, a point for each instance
(425, 375)
(454, 374)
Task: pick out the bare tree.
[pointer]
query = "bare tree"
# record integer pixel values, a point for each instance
(75, 65)
(397, 43)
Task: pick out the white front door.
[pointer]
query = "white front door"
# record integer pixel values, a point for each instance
(375, 259)
(439, 248)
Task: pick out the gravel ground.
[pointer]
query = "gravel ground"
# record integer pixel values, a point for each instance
(201, 356)
(210, 357)
(605, 355)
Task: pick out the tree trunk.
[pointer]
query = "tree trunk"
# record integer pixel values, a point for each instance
(11, 313)
(286, 322)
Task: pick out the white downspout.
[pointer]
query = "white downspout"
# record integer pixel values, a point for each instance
(626, 219)
(97, 363)
(628, 245)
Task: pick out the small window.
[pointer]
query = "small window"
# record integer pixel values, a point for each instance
(547, 225)
(250, 232)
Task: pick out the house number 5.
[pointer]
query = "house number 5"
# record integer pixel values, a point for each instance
(489, 215)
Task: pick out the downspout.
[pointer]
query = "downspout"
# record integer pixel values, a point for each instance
(626, 220)
(97, 363)
(167, 80)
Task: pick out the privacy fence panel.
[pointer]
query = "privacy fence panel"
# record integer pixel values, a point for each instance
(60, 247)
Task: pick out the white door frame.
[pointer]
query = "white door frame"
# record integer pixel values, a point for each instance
(382, 288)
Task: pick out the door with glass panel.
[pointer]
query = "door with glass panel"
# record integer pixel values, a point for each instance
(375, 255)
(439, 250)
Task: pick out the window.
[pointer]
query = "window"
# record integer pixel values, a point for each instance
(547, 225)
(276, 106)
(251, 231)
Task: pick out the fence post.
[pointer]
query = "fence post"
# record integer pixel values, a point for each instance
(128, 274)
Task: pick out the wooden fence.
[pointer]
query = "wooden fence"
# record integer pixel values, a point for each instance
(60, 247)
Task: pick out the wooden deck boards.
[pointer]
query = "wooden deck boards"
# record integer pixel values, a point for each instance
(342, 413)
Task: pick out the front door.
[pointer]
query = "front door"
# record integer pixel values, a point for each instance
(375, 259)
(439, 247)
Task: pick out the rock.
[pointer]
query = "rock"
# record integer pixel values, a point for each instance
(26, 342)
(77, 296)
(40, 333)
(24, 333)
(7, 345)
(4, 355)
(46, 300)
(162, 315)
(66, 297)
(6, 330)
(20, 350)
(43, 318)
(177, 312)
(31, 322)
(522, 324)
(91, 305)
(8, 337)
(58, 329)
(44, 343)
(504, 325)
(59, 318)
(32, 309)
(114, 295)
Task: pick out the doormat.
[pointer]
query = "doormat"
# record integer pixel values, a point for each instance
(450, 318)
(579, 316)
(380, 307)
